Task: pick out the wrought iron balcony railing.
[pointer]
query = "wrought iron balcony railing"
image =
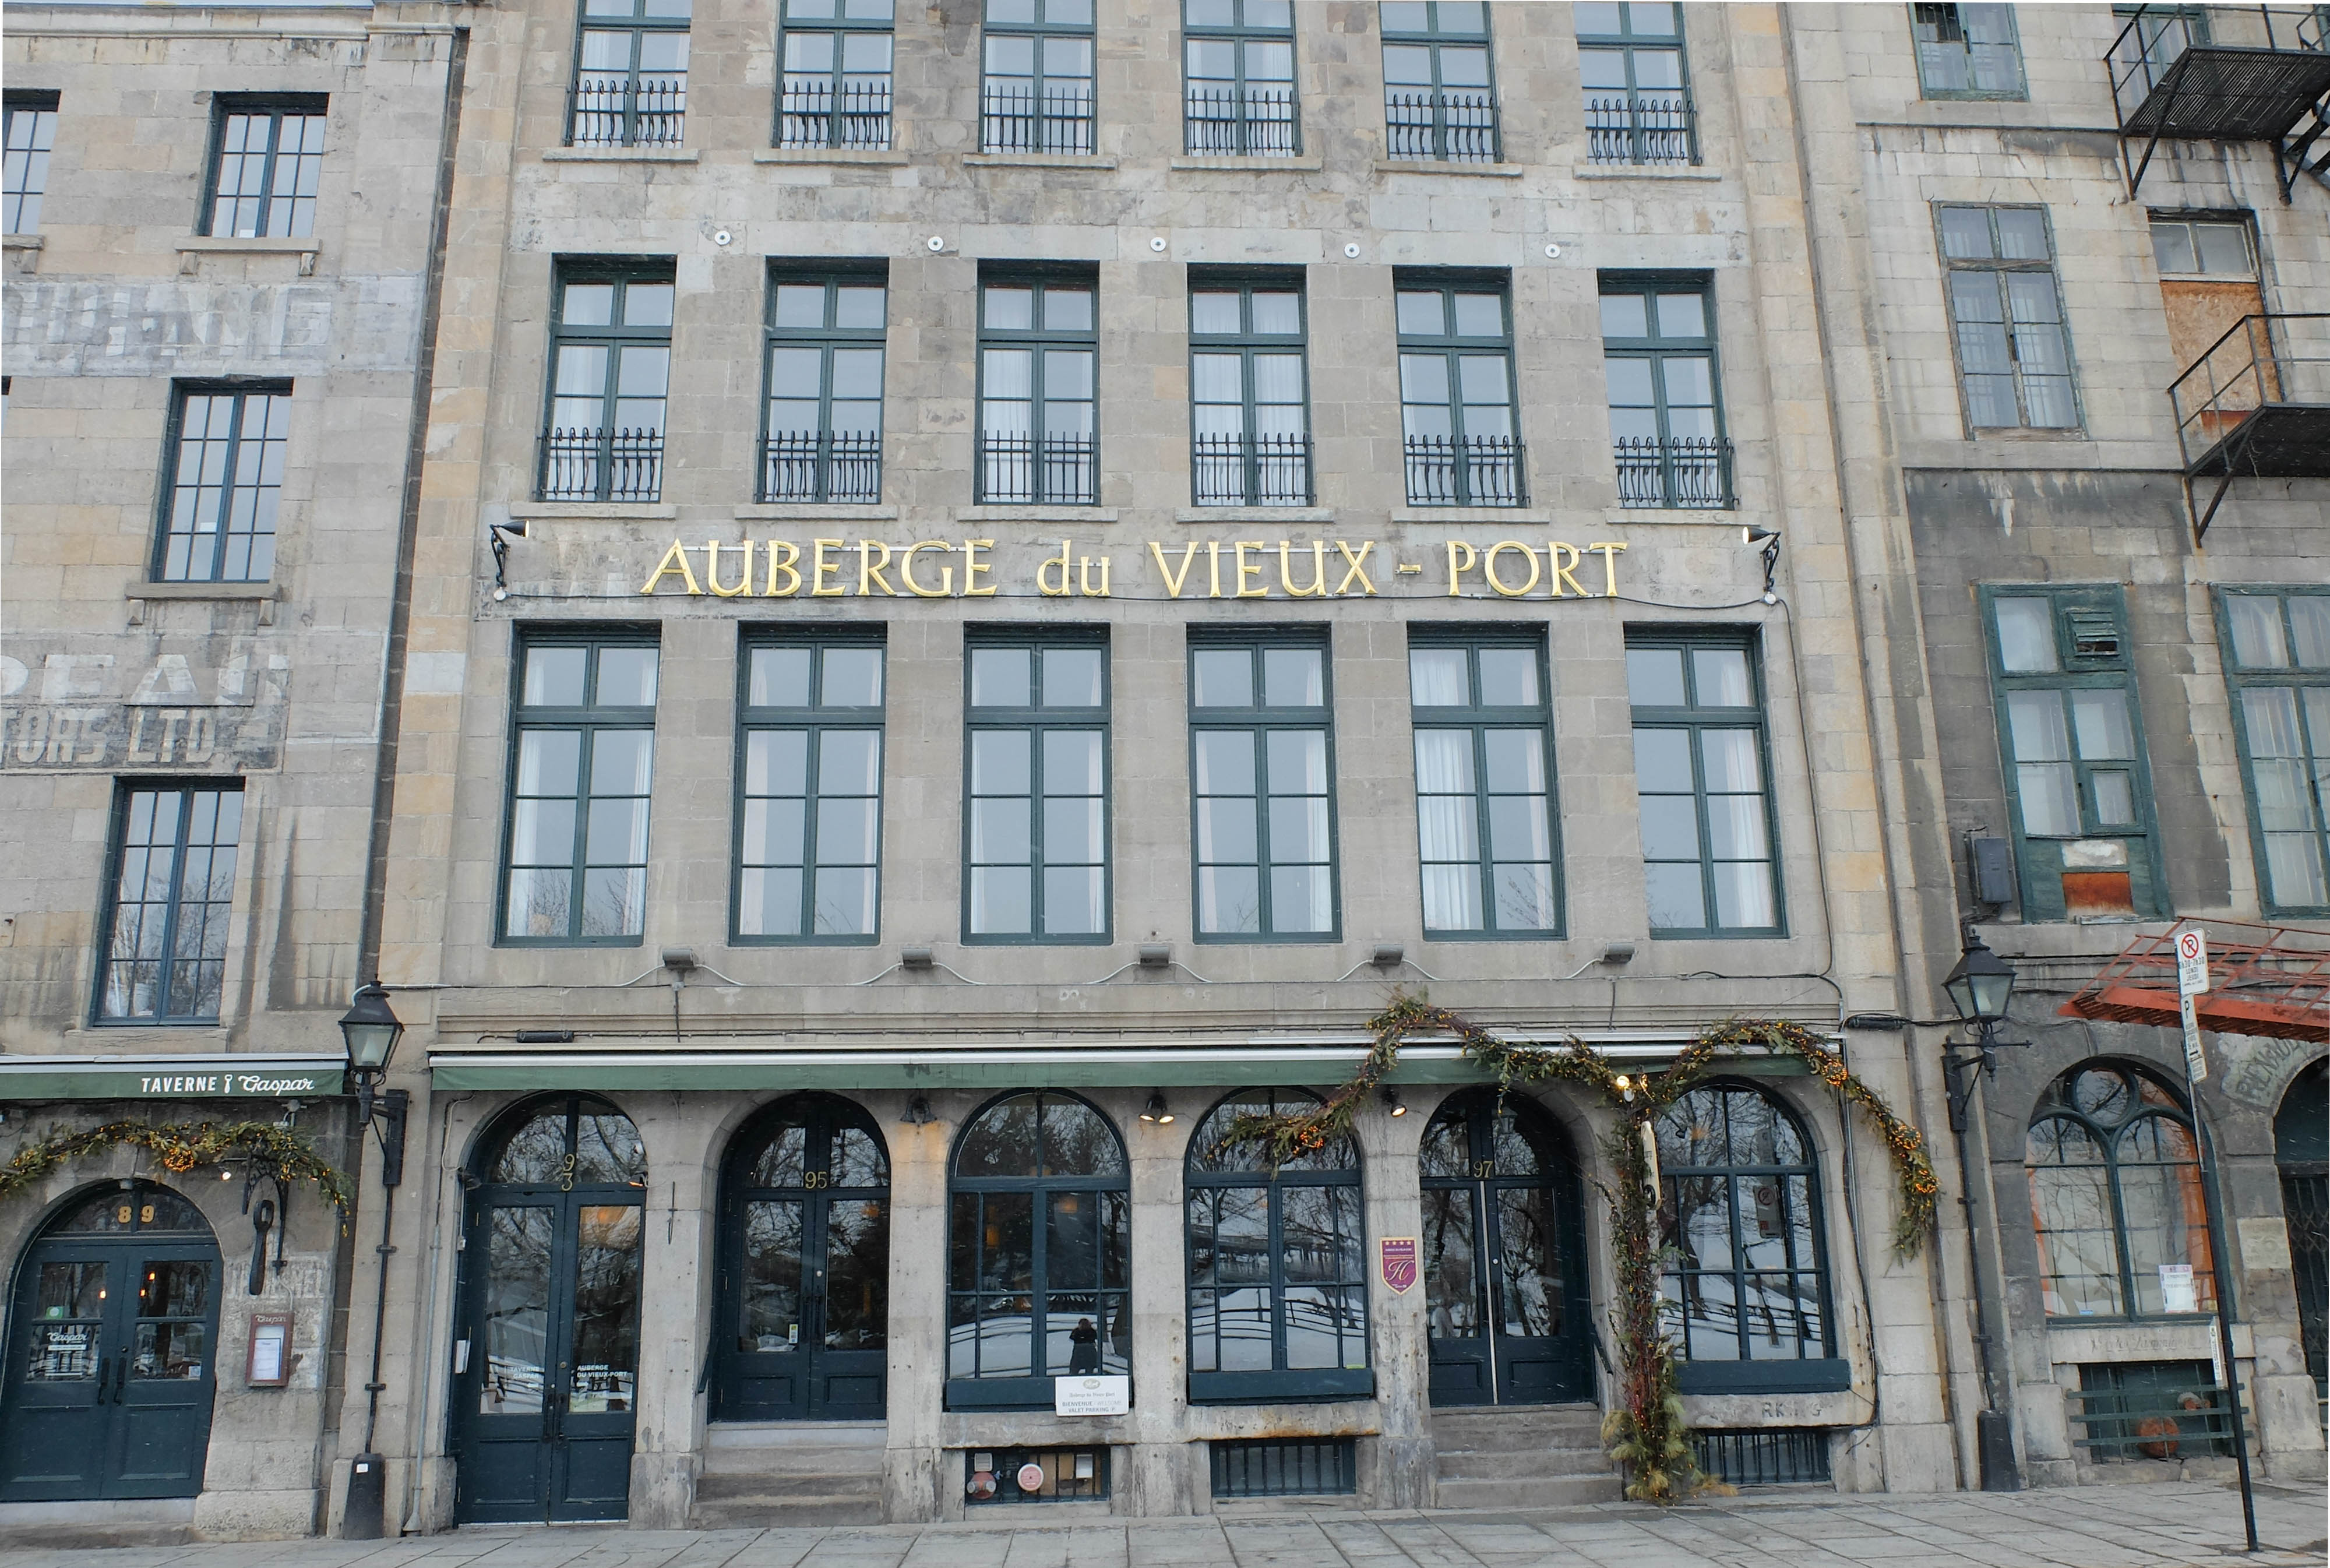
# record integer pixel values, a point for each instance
(600, 465)
(2256, 404)
(2225, 73)
(1058, 120)
(807, 465)
(1641, 130)
(1051, 470)
(1225, 122)
(1683, 470)
(854, 116)
(1481, 471)
(626, 112)
(1452, 127)
(1250, 470)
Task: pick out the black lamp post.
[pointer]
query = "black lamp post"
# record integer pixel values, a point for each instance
(371, 1029)
(1979, 989)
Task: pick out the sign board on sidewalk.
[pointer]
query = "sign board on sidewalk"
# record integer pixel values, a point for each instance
(1091, 1396)
(2191, 961)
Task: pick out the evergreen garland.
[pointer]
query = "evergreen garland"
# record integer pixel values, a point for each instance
(270, 1150)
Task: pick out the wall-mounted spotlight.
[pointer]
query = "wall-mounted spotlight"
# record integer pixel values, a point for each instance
(1156, 1111)
(1757, 534)
(918, 1112)
(1391, 1099)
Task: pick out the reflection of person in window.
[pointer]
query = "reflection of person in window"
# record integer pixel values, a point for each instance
(1083, 1349)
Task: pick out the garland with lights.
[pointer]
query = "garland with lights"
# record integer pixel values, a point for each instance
(270, 1151)
(1646, 1431)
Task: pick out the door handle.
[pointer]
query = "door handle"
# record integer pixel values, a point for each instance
(104, 1371)
(120, 1375)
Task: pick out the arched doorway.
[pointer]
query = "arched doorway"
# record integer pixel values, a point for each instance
(2301, 1150)
(547, 1365)
(803, 1313)
(112, 1364)
(1504, 1269)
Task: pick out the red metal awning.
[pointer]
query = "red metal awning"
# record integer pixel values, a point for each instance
(2268, 980)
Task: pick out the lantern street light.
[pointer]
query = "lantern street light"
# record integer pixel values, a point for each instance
(371, 1029)
(1979, 989)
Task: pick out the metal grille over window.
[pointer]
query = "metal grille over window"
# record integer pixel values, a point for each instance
(2015, 358)
(1284, 1467)
(1967, 51)
(611, 371)
(271, 158)
(1485, 789)
(1638, 107)
(1036, 94)
(2116, 1198)
(2279, 670)
(836, 88)
(1700, 771)
(1460, 443)
(1038, 368)
(172, 885)
(1249, 387)
(1666, 415)
(809, 850)
(1440, 98)
(630, 74)
(1262, 739)
(579, 786)
(1035, 851)
(824, 439)
(226, 478)
(31, 132)
(1239, 98)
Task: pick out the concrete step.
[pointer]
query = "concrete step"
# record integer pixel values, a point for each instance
(777, 1487)
(1483, 1465)
(822, 1437)
(784, 1513)
(1537, 1492)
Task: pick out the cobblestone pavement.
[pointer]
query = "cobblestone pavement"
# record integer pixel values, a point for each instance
(2153, 1525)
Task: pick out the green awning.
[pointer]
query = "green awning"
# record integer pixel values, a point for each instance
(234, 1076)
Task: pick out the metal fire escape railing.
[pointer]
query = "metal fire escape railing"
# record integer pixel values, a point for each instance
(2257, 402)
(2225, 73)
(2265, 980)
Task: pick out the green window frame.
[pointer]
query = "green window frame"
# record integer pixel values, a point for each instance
(1035, 787)
(610, 381)
(1036, 82)
(836, 90)
(1632, 62)
(30, 136)
(1666, 390)
(630, 74)
(574, 843)
(222, 492)
(2276, 645)
(2070, 738)
(2008, 329)
(1039, 386)
(1703, 778)
(1488, 833)
(1967, 51)
(822, 422)
(1249, 390)
(2114, 1193)
(1440, 81)
(266, 164)
(1261, 773)
(170, 869)
(810, 738)
(1459, 400)
(1277, 1263)
(1239, 97)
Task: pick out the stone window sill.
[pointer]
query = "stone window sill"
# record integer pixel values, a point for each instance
(815, 512)
(1472, 515)
(1325, 515)
(23, 241)
(1438, 167)
(828, 155)
(1719, 516)
(1256, 164)
(1031, 160)
(619, 155)
(594, 511)
(1034, 514)
(1643, 172)
(264, 594)
(305, 247)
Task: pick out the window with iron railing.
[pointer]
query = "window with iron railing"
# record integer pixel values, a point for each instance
(823, 440)
(630, 74)
(266, 166)
(837, 85)
(609, 373)
(1038, 367)
(1250, 435)
(1638, 107)
(1036, 94)
(1238, 79)
(1666, 415)
(1460, 446)
(1440, 100)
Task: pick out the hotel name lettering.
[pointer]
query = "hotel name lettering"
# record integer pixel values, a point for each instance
(1205, 569)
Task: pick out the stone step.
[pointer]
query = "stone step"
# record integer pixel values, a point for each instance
(784, 1513)
(821, 1436)
(776, 1487)
(1539, 1492)
(1484, 1465)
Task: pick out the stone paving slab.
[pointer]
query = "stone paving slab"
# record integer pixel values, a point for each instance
(2161, 1525)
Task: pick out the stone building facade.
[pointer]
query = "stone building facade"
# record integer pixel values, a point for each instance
(986, 582)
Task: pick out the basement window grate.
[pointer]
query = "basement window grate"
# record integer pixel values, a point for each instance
(1285, 1468)
(1765, 1456)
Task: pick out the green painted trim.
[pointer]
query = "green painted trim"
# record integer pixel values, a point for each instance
(186, 1078)
(2294, 679)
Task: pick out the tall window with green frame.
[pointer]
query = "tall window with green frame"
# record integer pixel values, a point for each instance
(823, 440)
(1440, 96)
(1237, 65)
(1249, 390)
(2277, 652)
(1666, 410)
(630, 74)
(1485, 786)
(1967, 51)
(609, 378)
(224, 481)
(1261, 777)
(1039, 388)
(808, 806)
(267, 164)
(2014, 352)
(171, 895)
(1630, 61)
(582, 758)
(1459, 441)
(1036, 89)
(1702, 773)
(2071, 737)
(837, 85)
(1035, 787)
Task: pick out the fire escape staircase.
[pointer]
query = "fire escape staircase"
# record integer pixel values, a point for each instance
(2172, 80)
(2265, 980)
(2257, 403)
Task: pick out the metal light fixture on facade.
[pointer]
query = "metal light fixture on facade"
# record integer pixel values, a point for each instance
(918, 1112)
(370, 1030)
(1391, 1099)
(1155, 1111)
(1979, 987)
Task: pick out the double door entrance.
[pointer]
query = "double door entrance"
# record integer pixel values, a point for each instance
(1504, 1273)
(112, 1360)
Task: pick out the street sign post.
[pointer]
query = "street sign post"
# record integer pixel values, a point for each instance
(2191, 980)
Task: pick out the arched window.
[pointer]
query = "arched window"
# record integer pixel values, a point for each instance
(1278, 1285)
(2301, 1151)
(1039, 1252)
(2116, 1198)
(1747, 1295)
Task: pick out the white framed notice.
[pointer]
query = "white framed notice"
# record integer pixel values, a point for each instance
(1091, 1396)
(2176, 1290)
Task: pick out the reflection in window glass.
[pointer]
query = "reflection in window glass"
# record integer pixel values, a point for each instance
(2116, 1198)
(1748, 1279)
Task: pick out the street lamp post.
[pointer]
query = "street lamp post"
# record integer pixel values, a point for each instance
(1979, 989)
(370, 1029)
